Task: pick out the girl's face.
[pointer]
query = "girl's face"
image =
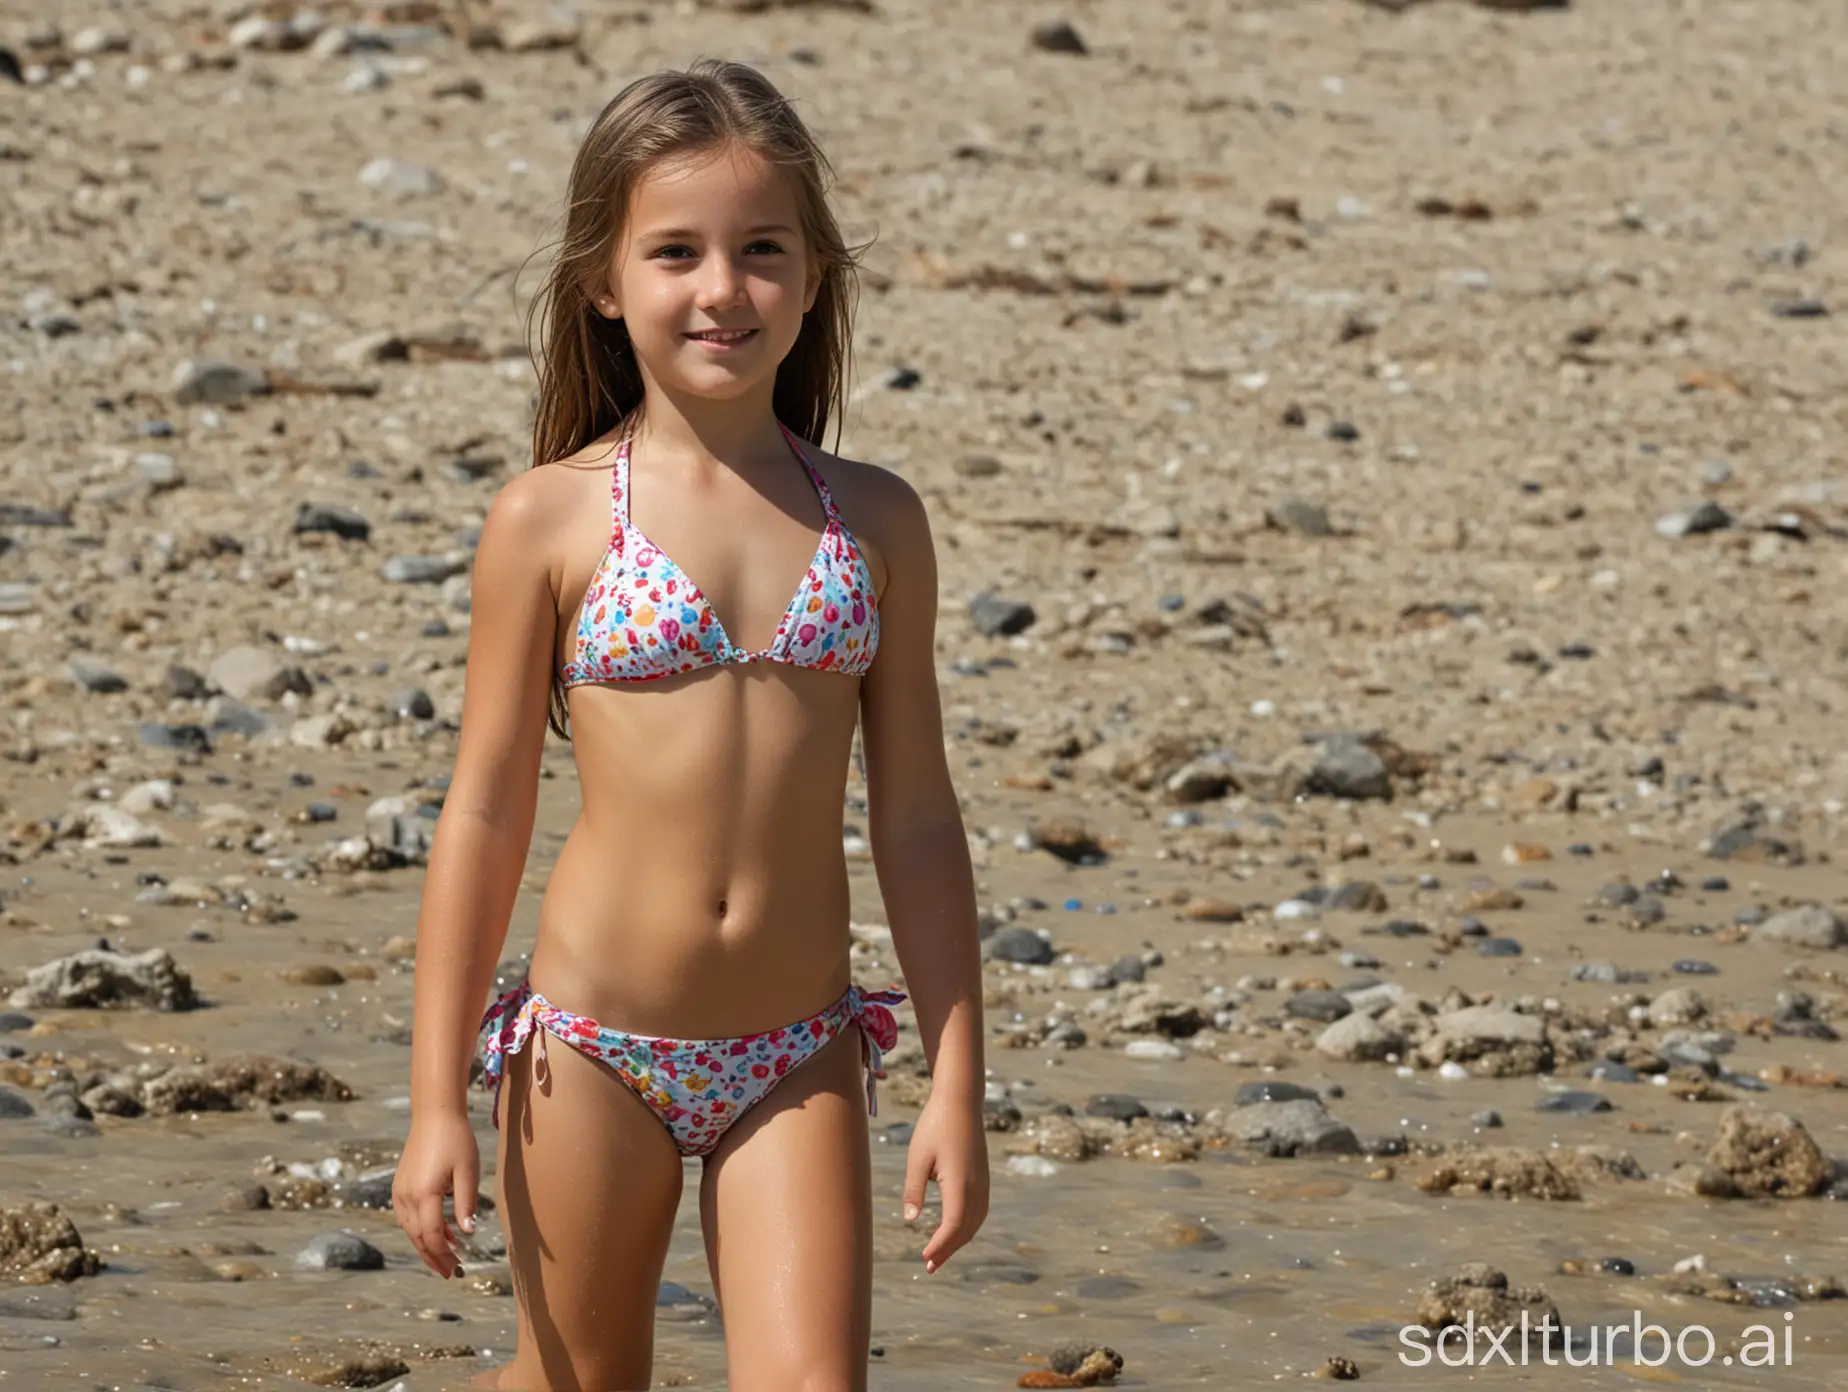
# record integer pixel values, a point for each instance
(712, 244)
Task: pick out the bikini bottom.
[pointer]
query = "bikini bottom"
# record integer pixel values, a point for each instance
(697, 1087)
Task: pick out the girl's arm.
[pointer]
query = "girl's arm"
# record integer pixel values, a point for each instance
(479, 850)
(914, 824)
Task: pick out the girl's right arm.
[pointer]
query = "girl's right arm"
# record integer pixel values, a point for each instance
(478, 854)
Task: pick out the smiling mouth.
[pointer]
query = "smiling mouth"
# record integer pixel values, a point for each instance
(723, 335)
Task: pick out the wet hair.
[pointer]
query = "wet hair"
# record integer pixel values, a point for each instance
(589, 381)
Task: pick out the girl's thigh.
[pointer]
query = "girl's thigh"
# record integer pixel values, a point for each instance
(590, 1181)
(786, 1204)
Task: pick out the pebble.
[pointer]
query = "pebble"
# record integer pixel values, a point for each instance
(1488, 1120)
(996, 617)
(1577, 1103)
(1157, 1049)
(1498, 947)
(1058, 36)
(1249, 1094)
(340, 1251)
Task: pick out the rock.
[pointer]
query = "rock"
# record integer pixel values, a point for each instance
(1069, 841)
(96, 978)
(1348, 768)
(256, 674)
(1769, 1155)
(1058, 36)
(1273, 1090)
(238, 1083)
(421, 570)
(399, 179)
(1300, 517)
(1695, 521)
(1479, 1297)
(1507, 1172)
(107, 827)
(1292, 1128)
(1807, 925)
(1020, 945)
(1496, 1041)
(39, 1244)
(14, 1105)
(1678, 1006)
(1577, 1103)
(340, 1251)
(211, 383)
(1358, 896)
(1115, 1106)
(95, 677)
(995, 617)
(1152, 1012)
(1359, 1038)
(1203, 779)
(1325, 1006)
(343, 522)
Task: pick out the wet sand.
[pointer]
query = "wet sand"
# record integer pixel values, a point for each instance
(1415, 341)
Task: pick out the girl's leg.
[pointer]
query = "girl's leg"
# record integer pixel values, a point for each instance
(786, 1203)
(590, 1182)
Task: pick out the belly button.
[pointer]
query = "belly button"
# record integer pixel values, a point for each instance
(721, 908)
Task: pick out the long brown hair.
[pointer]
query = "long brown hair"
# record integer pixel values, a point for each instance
(589, 381)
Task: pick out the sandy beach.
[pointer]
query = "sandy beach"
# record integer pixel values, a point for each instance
(1388, 474)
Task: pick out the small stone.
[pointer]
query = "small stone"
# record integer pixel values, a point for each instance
(1058, 36)
(995, 617)
(1020, 945)
(1575, 1103)
(1300, 517)
(1498, 947)
(212, 383)
(340, 1251)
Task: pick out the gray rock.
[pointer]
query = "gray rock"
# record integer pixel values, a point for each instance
(1807, 925)
(1058, 36)
(343, 522)
(1347, 768)
(1020, 945)
(256, 674)
(421, 570)
(1359, 1038)
(1292, 1128)
(1704, 517)
(995, 617)
(212, 383)
(1577, 1103)
(1249, 1094)
(340, 1251)
(1299, 516)
(1203, 779)
(98, 978)
(1116, 1106)
(1325, 1006)
(94, 676)
(413, 703)
(1678, 1006)
(14, 1104)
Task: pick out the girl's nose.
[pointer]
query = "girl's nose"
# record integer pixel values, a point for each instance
(721, 282)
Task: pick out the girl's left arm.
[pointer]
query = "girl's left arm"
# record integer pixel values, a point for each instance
(922, 857)
(914, 824)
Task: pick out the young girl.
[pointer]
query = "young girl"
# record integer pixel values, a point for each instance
(713, 602)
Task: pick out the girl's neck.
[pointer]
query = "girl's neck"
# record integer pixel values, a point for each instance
(701, 431)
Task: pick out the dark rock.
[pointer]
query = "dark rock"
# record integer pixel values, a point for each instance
(1020, 945)
(1499, 947)
(1058, 36)
(1249, 1094)
(343, 522)
(1577, 1103)
(995, 617)
(1116, 1106)
(1325, 1006)
(340, 1251)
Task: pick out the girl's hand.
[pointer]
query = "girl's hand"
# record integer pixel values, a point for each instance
(949, 1146)
(439, 1159)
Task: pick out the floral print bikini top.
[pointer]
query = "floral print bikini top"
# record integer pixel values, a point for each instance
(643, 618)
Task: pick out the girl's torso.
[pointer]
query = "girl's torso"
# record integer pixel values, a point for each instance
(703, 890)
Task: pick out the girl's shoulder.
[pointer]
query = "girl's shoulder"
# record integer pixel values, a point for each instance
(880, 495)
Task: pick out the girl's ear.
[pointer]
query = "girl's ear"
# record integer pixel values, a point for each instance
(812, 289)
(603, 299)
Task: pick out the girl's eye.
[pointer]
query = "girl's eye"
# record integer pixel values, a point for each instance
(672, 251)
(771, 247)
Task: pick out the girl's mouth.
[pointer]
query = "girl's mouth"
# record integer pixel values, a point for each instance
(720, 340)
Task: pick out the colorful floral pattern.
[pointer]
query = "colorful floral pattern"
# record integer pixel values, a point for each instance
(698, 1087)
(643, 618)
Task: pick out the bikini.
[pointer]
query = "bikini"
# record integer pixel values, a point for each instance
(642, 619)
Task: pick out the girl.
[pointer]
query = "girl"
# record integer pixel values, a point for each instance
(712, 602)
